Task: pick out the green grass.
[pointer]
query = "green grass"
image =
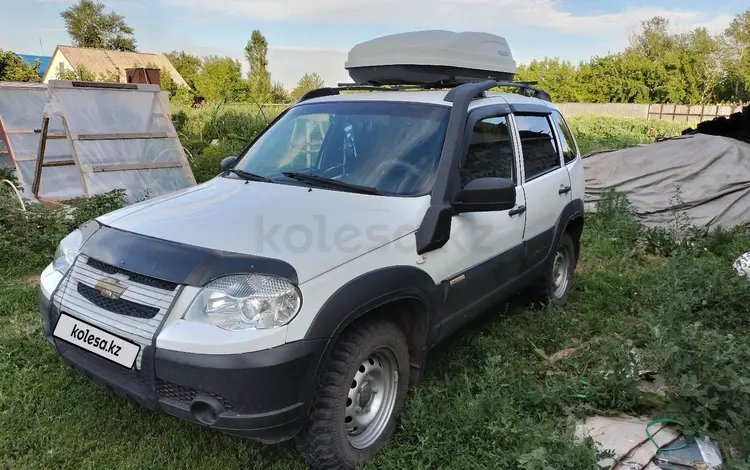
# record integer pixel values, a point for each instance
(488, 400)
(605, 132)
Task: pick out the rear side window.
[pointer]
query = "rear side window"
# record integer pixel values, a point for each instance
(568, 145)
(538, 144)
(490, 151)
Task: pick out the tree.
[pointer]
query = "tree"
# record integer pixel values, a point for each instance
(221, 79)
(559, 79)
(89, 26)
(307, 82)
(259, 78)
(736, 59)
(15, 69)
(187, 65)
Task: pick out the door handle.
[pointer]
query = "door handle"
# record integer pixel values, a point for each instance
(518, 210)
(564, 190)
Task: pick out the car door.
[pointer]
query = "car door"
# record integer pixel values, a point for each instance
(485, 249)
(546, 184)
(571, 155)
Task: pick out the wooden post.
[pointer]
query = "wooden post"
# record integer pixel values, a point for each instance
(40, 158)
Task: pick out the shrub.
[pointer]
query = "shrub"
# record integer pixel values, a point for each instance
(28, 239)
(207, 165)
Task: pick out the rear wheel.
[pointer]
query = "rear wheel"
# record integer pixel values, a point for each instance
(358, 397)
(554, 288)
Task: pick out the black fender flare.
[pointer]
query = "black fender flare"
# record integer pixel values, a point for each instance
(573, 210)
(369, 291)
(366, 293)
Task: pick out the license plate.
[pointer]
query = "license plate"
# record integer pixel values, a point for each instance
(97, 341)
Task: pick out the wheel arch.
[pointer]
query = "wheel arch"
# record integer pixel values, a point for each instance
(406, 295)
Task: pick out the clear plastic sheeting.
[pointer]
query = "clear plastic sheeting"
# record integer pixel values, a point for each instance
(21, 115)
(21, 105)
(26, 147)
(122, 138)
(103, 111)
(100, 137)
(139, 183)
(62, 182)
(94, 153)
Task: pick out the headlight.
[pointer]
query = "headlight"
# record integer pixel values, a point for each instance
(246, 301)
(67, 251)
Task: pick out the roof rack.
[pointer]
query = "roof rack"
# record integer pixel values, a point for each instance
(524, 88)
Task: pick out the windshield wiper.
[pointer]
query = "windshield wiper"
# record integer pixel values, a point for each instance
(329, 183)
(247, 176)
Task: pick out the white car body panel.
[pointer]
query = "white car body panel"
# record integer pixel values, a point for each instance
(313, 229)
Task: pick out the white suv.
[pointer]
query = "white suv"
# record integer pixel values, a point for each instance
(297, 293)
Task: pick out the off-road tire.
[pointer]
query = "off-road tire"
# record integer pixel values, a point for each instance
(323, 439)
(546, 291)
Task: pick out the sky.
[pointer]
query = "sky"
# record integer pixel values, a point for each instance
(316, 35)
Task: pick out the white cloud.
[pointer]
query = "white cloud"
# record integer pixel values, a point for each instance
(592, 34)
(489, 15)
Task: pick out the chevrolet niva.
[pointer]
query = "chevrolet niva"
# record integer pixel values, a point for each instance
(296, 294)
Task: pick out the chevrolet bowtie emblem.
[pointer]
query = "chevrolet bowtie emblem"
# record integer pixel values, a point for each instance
(110, 288)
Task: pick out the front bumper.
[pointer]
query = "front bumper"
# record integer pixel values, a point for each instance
(263, 395)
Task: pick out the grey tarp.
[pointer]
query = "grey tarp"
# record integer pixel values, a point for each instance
(706, 178)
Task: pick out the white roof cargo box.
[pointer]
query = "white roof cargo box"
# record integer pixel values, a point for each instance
(434, 56)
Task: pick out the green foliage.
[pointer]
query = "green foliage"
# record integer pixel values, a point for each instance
(206, 166)
(307, 82)
(606, 132)
(220, 79)
(83, 74)
(8, 174)
(28, 239)
(259, 78)
(15, 69)
(187, 65)
(658, 67)
(88, 26)
(736, 59)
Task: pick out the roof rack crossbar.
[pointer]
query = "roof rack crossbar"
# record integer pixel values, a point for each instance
(524, 88)
(331, 91)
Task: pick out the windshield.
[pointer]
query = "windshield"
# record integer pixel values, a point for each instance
(390, 147)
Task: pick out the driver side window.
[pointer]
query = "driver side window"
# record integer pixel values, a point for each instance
(490, 152)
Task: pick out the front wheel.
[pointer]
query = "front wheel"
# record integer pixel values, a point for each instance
(358, 397)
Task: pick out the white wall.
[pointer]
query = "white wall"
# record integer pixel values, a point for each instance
(58, 61)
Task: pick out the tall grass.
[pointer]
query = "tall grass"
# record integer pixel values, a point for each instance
(607, 132)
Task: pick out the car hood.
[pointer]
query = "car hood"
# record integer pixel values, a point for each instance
(313, 229)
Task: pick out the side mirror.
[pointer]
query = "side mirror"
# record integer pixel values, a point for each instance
(486, 194)
(227, 163)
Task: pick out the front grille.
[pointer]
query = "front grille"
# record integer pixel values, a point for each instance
(185, 394)
(123, 307)
(135, 316)
(135, 277)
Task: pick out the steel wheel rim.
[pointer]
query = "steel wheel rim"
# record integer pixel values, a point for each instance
(560, 272)
(371, 398)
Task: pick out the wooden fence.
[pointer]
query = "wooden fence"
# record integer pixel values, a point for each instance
(666, 112)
